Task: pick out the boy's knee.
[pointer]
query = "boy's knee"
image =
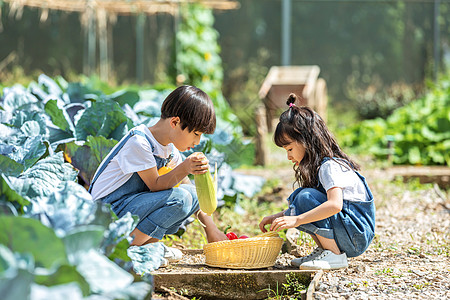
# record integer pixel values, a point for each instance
(184, 200)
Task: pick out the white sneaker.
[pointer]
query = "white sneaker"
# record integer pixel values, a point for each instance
(298, 261)
(172, 254)
(327, 260)
(164, 263)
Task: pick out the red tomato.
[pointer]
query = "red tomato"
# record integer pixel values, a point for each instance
(243, 237)
(231, 236)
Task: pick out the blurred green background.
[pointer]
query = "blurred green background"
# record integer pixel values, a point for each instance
(388, 45)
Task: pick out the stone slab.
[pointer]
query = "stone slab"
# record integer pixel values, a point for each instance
(233, 284)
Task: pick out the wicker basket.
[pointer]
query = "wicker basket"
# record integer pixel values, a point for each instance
(251, 253)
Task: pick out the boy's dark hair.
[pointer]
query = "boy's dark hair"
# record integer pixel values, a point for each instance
(301, 124)
(194, 108)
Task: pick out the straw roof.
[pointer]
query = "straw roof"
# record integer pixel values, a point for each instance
(120, 7)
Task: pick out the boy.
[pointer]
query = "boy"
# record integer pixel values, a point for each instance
(128, 177)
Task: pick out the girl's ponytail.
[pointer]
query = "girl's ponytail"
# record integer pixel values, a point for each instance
(291, 100)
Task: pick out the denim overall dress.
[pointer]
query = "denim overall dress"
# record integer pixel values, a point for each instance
(353, 228)
(160, 212)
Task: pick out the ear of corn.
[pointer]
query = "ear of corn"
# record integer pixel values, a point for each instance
(206, 188)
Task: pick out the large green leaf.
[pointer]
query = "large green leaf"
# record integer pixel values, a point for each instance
(117, 237)
(49, 85)
(69, 206)
(104, 118)
(31, 128)
(59, 116)
(10, 167)
(17, 97)
(100, 146)
(125, 97)
(64, 274)
(69, 290)
(17, 287)
(25, 235)
(9, 194)
(77, 92)
(87, 157)
(34, 148)
(58, 136)
(102, 274)
(21, 117)
(43, 178)
(24, 150)
(83, 239)
(414, 155)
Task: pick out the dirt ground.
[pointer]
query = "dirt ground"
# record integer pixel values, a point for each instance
(409, 257)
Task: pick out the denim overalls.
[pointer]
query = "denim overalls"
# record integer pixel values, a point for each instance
(353, 228)
(159, 212)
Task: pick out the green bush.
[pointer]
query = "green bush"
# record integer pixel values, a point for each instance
(377, 100)
(420, 131)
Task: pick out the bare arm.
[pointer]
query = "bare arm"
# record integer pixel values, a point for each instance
(195, 163)
(332, 206)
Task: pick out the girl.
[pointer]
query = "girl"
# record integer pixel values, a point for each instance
(128, 177)
(334, 203)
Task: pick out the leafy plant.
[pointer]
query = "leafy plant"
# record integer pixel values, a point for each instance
(379, 101)
(53, 136)
(61, 237)
(420, 131)
(198, 60)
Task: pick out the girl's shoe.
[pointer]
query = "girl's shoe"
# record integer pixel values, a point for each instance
(327, 260)
(298, 261)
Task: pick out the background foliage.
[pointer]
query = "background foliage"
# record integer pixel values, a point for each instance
(351, 42)
(420, 131)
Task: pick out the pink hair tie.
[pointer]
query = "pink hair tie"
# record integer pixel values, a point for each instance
(291, 104)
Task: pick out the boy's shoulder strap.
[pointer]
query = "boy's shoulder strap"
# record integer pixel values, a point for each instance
(138, 132)
(116, 150)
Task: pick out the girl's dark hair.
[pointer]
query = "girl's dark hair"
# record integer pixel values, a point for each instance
(194, 108)
(301, 124)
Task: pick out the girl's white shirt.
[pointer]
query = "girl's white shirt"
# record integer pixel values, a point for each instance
(333, 174)
(136, 155)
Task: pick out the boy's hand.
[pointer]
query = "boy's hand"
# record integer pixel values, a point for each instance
(265, 221)
(196, 163)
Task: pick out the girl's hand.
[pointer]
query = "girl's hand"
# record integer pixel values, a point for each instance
(269, 220)
(284, 222)
(196, 163)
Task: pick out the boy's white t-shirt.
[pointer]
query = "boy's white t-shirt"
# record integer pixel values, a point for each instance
(136, 155)
(333, 174)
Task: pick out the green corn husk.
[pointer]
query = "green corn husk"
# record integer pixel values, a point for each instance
(206, 188)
